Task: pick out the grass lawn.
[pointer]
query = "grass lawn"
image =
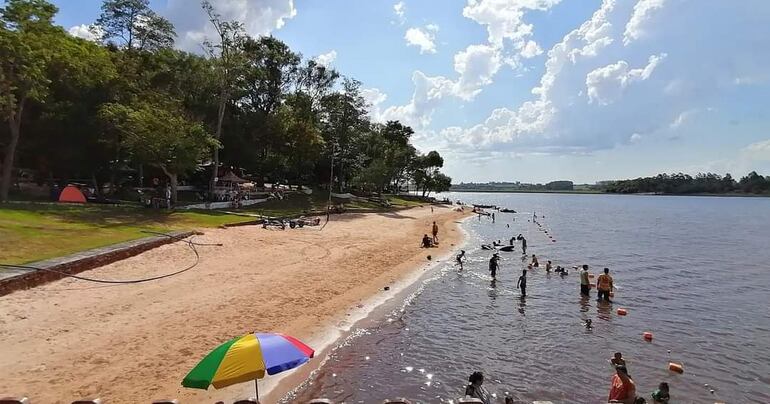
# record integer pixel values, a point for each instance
(32, 232)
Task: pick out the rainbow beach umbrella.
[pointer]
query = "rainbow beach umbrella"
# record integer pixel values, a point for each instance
(248, 358)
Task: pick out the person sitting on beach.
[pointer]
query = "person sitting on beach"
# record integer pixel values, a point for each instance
(534, 261)
(426, 242)
(661, 395)
(623, 389)
(460, 258)
(475, 388)
(548, 266)
(617, 360)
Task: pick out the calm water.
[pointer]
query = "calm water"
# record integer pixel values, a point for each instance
(695, 271)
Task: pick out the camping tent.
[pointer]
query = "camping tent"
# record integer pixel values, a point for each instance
(72, 194)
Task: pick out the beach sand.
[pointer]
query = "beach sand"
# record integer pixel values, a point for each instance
(72, 339)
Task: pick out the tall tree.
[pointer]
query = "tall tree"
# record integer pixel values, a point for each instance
(28, 42)
(160, 135)
(229, 62)
(131, 23)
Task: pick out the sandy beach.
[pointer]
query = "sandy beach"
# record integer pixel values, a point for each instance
(134, 343)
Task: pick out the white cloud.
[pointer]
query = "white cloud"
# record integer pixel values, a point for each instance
(477, 65)
(424, 38)
(260, 17)
(531, 49)
(400, 10)
(375, 98)
(634, 68)
(428, 92)
(504, 18)
(759, 150)
(606, 84)
(326, 59)
(85, 31)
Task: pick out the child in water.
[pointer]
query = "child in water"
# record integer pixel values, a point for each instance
(661, 395)
(522, 283)
(618, 360)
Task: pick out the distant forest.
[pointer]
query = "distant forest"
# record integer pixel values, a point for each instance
(707, 183)
(673, 184)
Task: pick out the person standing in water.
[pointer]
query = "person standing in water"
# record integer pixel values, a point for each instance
(534, 261)
(493, 217)
(548, 266)
(494, 265)
(523, 245)
(604, 285)
(460, 258)
(585, 283)
(522, 283)
(475, 388)
(435, 233)
(623, 389)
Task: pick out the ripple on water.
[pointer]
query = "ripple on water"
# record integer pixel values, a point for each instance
(691, 270)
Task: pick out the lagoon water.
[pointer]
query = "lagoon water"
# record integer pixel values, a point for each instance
(695, 271)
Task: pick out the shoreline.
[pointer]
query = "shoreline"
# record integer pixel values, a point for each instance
(135, 343)
(487, 191)
(375, 310)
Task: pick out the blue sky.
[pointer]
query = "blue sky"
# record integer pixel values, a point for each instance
(536, 90)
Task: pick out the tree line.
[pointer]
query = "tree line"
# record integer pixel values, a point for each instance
(703, 183)
(109, 110)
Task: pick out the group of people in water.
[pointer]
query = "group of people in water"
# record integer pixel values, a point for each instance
(622, 386)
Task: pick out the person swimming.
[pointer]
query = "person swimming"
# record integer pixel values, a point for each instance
(460, 258)
(588, 324)
(617, 360)
(475, 388)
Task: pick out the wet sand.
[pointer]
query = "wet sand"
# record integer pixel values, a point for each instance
(71, 339)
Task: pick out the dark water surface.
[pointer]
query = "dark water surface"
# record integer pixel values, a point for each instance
(695, 271)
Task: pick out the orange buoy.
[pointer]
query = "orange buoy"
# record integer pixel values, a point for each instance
(675, 367)
(647, 336)
(622, 312)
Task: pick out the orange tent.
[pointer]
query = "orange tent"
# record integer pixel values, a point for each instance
(72, 194)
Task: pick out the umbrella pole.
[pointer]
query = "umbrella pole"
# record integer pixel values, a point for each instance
(256, 388)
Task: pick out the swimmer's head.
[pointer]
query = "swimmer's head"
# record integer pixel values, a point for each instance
(618, 355)
(476, 378)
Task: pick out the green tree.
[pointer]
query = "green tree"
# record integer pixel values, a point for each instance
(131, 23)
(160, 135)
(28, 45)
(229, 64)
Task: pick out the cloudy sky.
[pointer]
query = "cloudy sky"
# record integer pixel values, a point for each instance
(536, 90)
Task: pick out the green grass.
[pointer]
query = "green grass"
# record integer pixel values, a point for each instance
(31, 232)
(35, 231)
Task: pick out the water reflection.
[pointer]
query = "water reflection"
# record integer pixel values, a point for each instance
(585, 303)
(604, 310)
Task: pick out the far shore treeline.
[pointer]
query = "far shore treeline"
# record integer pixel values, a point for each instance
(663, 184)
(128, 106)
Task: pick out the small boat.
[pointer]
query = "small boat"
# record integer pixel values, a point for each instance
(484, 206)
(506, 210)
(507, 248)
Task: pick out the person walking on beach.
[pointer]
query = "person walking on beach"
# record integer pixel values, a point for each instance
(494, 265)
(522, 283)
(623, 389)
(585, 283)
(435, 233)
(475, 388)
(460, 258)
(604, 285)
